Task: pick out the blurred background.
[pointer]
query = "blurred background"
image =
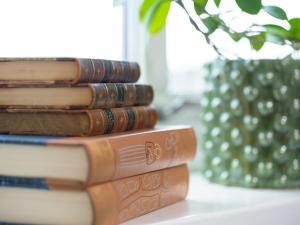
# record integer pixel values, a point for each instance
(171, 61)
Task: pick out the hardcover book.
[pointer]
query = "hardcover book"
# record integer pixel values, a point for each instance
(81, 96)
(76, 122)
(82, 161)
(67, 71)
(105, 204)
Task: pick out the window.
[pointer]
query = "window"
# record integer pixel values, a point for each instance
(83, 28)
(187, 50)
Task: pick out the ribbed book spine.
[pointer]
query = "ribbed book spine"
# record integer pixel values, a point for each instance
(76, 122)
(107, 71)
(120, 95)
(106, 121)
(109, 95)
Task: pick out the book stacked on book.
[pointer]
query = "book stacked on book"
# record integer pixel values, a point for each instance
(65, 97)
(98, 178)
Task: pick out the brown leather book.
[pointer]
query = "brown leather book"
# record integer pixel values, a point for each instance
(76, 122)
(83, 96)
(78, 162)
(106, 204)
(67, 71)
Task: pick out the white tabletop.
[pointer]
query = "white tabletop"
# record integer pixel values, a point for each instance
(212, 204)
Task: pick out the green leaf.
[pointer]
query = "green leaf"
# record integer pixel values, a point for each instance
(257, 41)
(156, 15)
(235, 36)
(276, 12)
(276, 30)
(146, 7)
(211, 23)
(250, 6)
(217, 2)
(294, 30)
(294, 24)
(199, 6)
(276, 34)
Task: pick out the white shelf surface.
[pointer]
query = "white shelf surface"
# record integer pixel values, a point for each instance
(212, 204)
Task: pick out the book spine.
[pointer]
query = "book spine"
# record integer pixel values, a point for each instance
(76, 122)
(120, 95)
(108, 95)
(118, 201)
(106, 121)
(119, 157)
(107, 71)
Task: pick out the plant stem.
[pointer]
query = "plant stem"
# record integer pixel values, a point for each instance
(205, 35)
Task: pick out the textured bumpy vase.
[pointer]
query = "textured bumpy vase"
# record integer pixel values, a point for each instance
(251, 123)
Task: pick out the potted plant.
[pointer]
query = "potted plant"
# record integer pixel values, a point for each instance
(251, 108)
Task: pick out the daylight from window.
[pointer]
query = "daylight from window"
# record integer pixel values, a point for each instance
(187, 50)
(50, 28)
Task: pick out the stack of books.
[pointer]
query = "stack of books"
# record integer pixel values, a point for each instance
(78, 144)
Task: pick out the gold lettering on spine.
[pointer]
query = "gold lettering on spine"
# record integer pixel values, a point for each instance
(112, 95)
(100, 96)
(130, 94)
(120, 119)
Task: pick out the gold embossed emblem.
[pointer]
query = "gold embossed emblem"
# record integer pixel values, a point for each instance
(153, 152)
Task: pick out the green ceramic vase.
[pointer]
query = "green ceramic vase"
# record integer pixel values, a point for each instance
(251, 123)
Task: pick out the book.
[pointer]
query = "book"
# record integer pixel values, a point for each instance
(76, 122)
(84, 96)
(82, 161)
(105, 204)
(67, 70)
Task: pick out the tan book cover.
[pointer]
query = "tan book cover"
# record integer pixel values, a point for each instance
(121, 200)
(109, 203)
(78, 162)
